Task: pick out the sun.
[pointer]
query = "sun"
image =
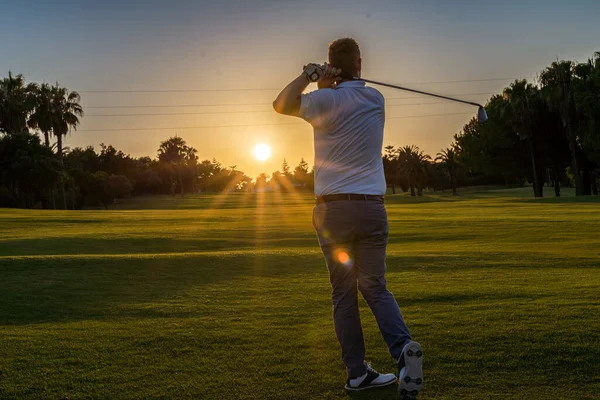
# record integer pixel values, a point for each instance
(262, 152)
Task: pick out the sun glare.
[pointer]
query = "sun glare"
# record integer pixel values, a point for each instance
(262, 152)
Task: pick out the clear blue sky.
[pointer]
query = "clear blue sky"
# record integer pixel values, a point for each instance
(145, 45)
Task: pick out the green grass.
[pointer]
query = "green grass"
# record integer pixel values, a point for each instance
(227, 297)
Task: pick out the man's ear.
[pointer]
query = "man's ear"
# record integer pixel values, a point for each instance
(359, 65)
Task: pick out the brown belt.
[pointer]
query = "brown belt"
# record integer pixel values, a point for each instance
(349, 196)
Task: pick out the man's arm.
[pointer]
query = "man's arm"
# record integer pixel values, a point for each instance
(289, 100)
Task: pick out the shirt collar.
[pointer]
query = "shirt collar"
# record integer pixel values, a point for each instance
(355, 83)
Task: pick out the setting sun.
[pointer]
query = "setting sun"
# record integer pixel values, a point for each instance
(262, 152)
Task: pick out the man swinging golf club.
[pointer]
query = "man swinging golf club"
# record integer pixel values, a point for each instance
(350, 217)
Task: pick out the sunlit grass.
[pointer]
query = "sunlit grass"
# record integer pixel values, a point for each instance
(193, 300)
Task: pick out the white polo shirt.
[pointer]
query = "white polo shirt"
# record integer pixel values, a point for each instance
(348, 129)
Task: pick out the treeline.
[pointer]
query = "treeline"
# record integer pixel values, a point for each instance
(36, 173)
(32, 175)
(544, 134)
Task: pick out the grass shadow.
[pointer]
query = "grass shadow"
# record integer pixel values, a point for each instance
(563, 200)
(65, 245)
(39, 290)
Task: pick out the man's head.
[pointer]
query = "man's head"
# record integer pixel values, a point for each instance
(345, 55)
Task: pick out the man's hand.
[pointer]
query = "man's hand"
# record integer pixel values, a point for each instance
(290, 99)
(330, 77)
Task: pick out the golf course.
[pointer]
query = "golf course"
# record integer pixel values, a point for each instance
(227, 297)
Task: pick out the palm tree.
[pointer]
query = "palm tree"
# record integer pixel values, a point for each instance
(42, 117)
(522, 103)
(175, 153)
(421, 161)
(587, 97)
(17, 100)
(405, 155)
(66, 111)
(390, 166)
(557, 89)
(448, 161)
(412, 163)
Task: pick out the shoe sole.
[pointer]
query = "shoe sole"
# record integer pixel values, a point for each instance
(413, 370)
(351, 389)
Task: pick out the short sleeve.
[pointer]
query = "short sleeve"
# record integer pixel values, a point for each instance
(315, 105)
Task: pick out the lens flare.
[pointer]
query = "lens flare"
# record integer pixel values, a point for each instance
(343, 258)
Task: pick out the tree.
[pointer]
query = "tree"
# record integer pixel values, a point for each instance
(82, 158)
(146, 177)
(521, 109)
(175, 153)
(587, 97)
(101, 189)
(42, 117)
(557, 89)
(66, 111)
(190, 170)
(285, 169)
(261, 181)
(238, 180)
(120, 186)
(283, 180)
(412, 164)
(115, 162)
(277, 181)
(491, 153)
(107, 188)
(28, 170)
(390, 166)
(301, 175)
(17, 101)
(207, 171)
(214, 178)
(448, 161)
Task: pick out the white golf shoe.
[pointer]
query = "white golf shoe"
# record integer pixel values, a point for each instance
(410, 371)
(372, 379)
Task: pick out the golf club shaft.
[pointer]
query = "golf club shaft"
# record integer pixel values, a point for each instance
(420, 92)
(439, 96)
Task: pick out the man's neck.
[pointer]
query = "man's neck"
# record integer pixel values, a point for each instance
(346, 78)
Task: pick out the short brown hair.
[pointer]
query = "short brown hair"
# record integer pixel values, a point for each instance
(342, 54)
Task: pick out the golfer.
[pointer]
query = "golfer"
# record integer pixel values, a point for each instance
(350, 216)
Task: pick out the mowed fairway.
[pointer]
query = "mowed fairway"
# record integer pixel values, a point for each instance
(227, 297)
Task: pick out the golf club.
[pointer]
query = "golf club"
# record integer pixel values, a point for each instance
(314, 72)
(481, 114)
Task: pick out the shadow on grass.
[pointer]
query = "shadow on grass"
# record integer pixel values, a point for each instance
(63, 289)
(563, 200)
(38, 290)
(461, 298)
(65, 245)
(151, 245)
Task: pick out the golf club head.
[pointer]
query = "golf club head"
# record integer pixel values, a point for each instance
(481, 114)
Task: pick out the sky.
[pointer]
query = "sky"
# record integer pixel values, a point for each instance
(209, 71)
